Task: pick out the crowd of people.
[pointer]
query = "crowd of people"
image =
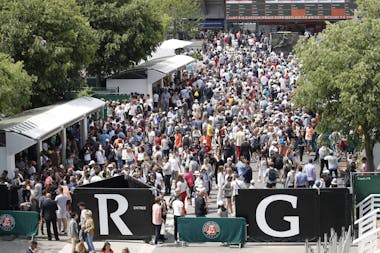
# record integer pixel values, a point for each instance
(224, 117)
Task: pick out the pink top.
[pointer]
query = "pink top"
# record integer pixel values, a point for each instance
(156, 214)
(309, 133)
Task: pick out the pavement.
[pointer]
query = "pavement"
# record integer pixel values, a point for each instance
(19, 245)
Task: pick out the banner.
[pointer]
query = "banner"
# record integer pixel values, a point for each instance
(4, 197)
(202, 229)
(335, 210)
(293, 215)
(118, 212)
(365, 184)
(19, 223)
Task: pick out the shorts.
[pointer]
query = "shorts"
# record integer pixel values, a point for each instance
(61, 214)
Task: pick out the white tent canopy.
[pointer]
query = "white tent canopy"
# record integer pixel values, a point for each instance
(32, 127)
(45, 122)
(168, 65)
(155, 70)
(168, 47)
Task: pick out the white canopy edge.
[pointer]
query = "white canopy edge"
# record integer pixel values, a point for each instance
(52, 120)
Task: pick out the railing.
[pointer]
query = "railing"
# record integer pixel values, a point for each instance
(369, 204)
(332, 244)
(368, 232)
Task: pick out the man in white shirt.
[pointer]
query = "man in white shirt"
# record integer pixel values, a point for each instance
(309, 169)
(61, 200)
(239, 139)
(95, 178)
(333, 163)
(178, 211)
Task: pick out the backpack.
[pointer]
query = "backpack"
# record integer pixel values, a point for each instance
(272, 174)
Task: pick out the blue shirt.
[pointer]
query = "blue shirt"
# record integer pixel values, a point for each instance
(301, 178)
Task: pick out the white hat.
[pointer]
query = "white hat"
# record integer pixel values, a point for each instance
(325, 171)
(92, 162)
(220, 203)
(201, 189)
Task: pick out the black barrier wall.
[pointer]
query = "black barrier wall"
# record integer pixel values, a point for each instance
(293, 215)
(118, 213)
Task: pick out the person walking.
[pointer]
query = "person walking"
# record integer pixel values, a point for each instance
(89, 229)
(332, 161)
(310, 172)
(157, 218)
(48, 210)
(61, 200)
(200, 203)
(227, 192)
(178, 211)
(300, 178)
(73, 232)
(83, 209)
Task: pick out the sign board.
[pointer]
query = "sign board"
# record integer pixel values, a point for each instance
(118, 213)
(204, 229)
(19, 223)
(365, 184)
(289, 9)
(292, 215)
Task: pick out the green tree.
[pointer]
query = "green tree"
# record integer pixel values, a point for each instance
(55, 42)
(127, 30)
(15, 86)
(341, 78)
(181, 17)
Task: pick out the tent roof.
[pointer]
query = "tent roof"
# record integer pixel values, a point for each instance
(164, 65)
(45, 121)
(168, 47)
(168, 64)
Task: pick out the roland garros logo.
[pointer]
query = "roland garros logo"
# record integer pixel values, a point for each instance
(7, 222)
(211, 230)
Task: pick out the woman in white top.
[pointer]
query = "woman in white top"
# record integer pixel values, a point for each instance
(100, 156)
(181, 187)
(221, 181)
(263, 168)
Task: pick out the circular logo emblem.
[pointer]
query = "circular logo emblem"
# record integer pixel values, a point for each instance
(211, 230)
(7, 222)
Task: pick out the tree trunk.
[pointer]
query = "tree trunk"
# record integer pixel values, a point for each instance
(368, 147)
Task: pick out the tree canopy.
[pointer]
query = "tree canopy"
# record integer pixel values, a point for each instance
(54, 41)
(127, 30)
(181, 17)
(15, 86)
(341, 78)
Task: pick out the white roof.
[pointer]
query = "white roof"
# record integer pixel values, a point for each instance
(43, 122)
(168, 47)
(170, 64)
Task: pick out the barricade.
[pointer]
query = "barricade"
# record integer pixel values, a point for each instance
(202, 229)
(23, 223)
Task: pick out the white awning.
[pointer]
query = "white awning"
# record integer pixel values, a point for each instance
(168, 65)
(41, 123)
(168, 47)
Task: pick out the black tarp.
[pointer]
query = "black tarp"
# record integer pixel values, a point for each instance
(4, 197)
(293, 215)
(121, 206)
